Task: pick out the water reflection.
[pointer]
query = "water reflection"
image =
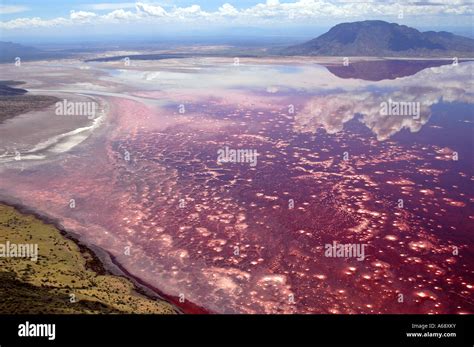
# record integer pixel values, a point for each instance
(383, 69)
(332, 110)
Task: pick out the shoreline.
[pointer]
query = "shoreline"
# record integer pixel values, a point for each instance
(104, 262)
(186, 307)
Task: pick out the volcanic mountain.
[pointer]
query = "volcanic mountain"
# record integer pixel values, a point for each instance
(378, 38)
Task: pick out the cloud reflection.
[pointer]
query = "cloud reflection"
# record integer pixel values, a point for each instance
(429, 87)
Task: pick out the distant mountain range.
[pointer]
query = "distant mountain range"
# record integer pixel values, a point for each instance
(371, 38)
(377, 38)
(9, 51)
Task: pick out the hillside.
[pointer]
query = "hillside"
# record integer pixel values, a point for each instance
(378, 38)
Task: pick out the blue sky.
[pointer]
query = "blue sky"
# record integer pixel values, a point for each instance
(59, 18)
(53, 8)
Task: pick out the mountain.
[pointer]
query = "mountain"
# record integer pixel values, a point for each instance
(9, 51)
(378, 38)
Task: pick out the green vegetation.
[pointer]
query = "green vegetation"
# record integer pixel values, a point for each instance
(64, 270)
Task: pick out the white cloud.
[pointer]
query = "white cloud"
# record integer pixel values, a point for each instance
(81, 16)
(119, 15)
(109, 6)
(191, 12)
(228, 10)
(271, 10)
(150, 10)
(4, 9)
(35, 22)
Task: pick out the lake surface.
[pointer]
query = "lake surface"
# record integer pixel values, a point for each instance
(382, 165)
